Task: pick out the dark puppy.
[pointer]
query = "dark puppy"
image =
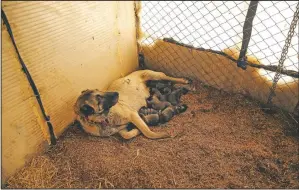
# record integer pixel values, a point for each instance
(154, 117)
(171, 111)
(161, 84)
(156, 103)
(149, 116)
(160, 96)
(175, 96)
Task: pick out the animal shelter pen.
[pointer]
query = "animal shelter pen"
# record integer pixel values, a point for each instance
(241, 55)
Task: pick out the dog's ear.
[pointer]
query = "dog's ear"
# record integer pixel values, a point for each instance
(84, 91)
(86, 110)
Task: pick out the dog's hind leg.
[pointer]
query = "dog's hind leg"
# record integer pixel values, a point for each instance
(142, 126)
(153, 75)
(129, 134)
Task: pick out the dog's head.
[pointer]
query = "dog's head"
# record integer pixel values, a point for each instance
(95, 102)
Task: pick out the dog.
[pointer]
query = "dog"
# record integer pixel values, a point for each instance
(105, 113)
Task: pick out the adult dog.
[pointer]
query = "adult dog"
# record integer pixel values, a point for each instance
(107, 113)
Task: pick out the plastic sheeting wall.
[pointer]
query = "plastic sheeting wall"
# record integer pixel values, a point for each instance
(67, 47)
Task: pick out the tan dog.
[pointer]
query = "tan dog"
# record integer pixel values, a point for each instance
(107, 113)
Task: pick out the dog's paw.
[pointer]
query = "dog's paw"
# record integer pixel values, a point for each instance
(188, 81)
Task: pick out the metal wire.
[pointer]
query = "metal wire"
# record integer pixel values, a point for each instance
(217, 25)
(284, 54)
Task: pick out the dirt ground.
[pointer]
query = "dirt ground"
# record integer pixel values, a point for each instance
(225, 141)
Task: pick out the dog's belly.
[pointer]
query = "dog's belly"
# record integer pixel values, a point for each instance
(132, 91)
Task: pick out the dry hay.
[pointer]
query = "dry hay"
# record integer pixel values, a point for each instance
(226, 141)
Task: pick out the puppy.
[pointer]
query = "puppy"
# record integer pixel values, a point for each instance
(175, 96)
(158, 94)
(146, 111)
(171, 111)
(159, 84)
(156, 103)
(155, 117)
(104, 113)
(150, 116)
(166, 90)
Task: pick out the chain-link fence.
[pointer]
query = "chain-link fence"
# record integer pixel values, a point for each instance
(203, 40)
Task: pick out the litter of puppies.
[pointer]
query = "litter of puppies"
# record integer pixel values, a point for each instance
(163, 103)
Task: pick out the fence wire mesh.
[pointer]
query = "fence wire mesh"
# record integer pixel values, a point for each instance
(195, 38)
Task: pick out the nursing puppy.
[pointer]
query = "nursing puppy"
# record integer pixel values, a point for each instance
(104, 113)
(150, 116)
(156, 103)
(154, 117)
(171, 96)
(160, 85)
(174, 96)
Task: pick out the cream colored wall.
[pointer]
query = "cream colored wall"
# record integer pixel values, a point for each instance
(67, 47)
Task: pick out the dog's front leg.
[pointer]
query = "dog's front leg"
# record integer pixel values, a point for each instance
(141, 125)
(153, 75)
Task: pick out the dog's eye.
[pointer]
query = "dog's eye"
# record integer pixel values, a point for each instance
(87, 110)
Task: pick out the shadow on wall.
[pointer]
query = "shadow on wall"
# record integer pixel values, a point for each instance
(219, 72)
